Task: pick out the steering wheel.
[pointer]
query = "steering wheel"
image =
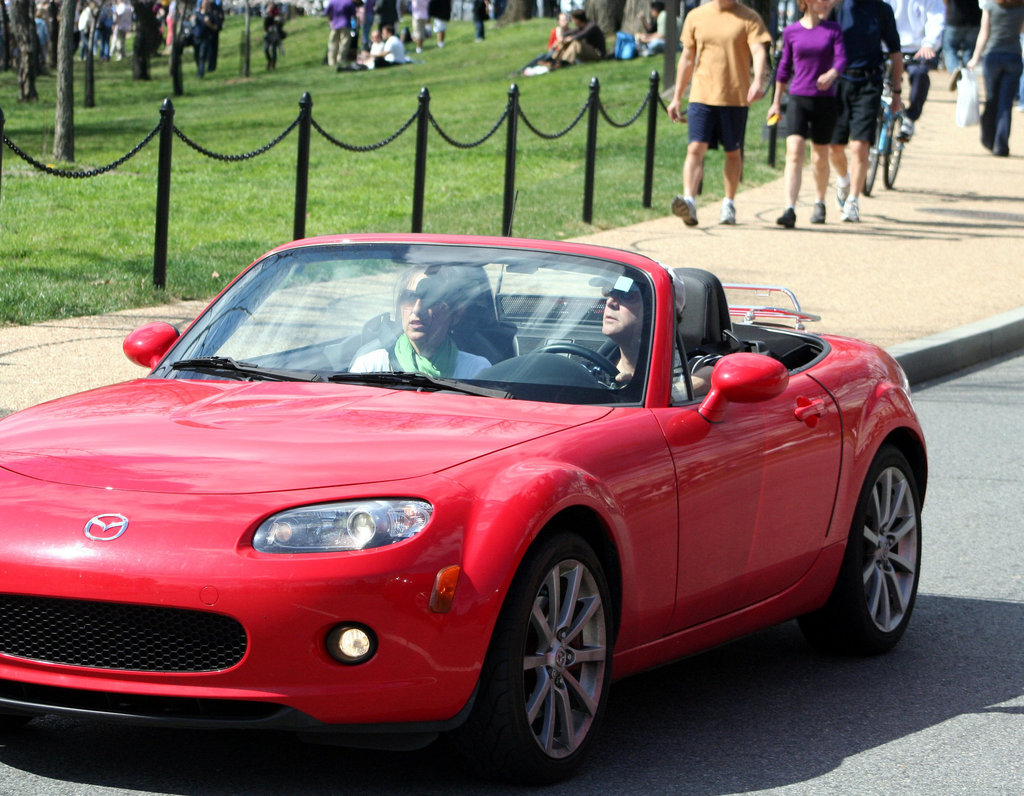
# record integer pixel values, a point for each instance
(605, 364)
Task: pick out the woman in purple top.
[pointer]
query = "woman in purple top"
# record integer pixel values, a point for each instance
(812, 59)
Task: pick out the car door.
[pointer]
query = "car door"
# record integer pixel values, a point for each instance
(718, 468)
(755, 496)
(803, 448)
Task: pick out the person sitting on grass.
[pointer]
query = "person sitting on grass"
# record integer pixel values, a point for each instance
(585, 43)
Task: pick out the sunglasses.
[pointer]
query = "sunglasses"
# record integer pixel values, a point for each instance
(407, 297)
(621, 296)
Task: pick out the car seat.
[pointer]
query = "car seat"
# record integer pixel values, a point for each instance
(705, 326)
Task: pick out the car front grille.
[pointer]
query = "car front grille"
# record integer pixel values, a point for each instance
(137, 638)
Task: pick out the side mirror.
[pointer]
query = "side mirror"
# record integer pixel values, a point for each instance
(147, 345)
(742, 379)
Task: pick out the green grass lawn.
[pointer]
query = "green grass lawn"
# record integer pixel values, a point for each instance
(82, 246)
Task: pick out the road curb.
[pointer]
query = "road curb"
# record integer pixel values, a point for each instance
(947, 352)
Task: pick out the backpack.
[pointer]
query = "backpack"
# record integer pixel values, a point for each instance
(625, 46)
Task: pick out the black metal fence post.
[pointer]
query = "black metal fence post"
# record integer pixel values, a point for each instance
(302, 166)
(511, 134)
(591, 157)
(163, 194)
(420, 173)
(652, 127)
(89, 95)
(177, 50)
(2, 122)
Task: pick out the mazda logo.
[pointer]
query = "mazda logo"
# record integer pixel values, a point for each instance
(106, 527)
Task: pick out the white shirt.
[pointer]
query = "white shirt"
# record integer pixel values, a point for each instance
(123, 16)
(85, 19)
(394, 50)
(919, 22)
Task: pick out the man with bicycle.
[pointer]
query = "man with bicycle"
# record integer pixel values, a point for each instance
(866, 26)
(920, 24)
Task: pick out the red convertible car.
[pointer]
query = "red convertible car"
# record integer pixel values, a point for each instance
(387, 488)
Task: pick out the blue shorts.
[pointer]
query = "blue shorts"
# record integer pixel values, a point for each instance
(717, 124)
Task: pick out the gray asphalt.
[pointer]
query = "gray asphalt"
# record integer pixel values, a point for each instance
(934, 271)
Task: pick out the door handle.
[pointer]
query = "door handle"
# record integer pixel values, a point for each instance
(808, 410)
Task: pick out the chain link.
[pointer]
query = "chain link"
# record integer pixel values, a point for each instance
(77, 175)
(460, 145)
(370, 147)
(350, 147)
(613, 123)
(234, 158)
(552, 136)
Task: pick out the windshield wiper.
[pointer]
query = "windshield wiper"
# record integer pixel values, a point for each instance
(243, 370)
(420, 380)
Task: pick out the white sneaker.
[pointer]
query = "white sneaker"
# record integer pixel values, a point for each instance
(842, 192)
(907, 130)
(851, 210)
(728, 213)
(686, 210)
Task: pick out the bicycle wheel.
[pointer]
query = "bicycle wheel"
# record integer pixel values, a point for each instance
(892, 160)
(875, 151)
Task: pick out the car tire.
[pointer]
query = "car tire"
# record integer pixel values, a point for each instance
(873, 597)
(9, 722)
(544, 684)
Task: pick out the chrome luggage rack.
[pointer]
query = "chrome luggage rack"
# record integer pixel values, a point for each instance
(759, 304)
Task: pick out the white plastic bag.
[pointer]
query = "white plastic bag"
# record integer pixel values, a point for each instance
(967, 99)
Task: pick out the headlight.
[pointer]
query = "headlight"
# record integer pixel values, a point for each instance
(337, 527)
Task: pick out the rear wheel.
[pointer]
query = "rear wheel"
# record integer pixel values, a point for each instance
(874, 153)
(544, 684)
(873, 598)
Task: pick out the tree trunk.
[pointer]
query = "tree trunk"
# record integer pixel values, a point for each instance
(517, 11)
(147, 39)
(53, 20)
(8, 40)
(24, 25)
(64, 121)
(247, 41)
(606, 13)
(635, 13)
(90, 63)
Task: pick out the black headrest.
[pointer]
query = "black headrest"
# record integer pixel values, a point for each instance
(706, 315)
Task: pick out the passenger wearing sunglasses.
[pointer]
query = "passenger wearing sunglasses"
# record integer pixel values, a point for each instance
(427, 309)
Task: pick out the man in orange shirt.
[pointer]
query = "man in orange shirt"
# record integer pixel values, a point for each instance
(721, 40)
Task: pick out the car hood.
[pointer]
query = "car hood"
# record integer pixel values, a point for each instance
(230, 437)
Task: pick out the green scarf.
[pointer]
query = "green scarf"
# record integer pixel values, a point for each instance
(442, 365)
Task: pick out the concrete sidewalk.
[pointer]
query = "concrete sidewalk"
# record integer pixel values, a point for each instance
(934, 271)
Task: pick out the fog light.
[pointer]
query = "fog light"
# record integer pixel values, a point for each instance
(351, 644)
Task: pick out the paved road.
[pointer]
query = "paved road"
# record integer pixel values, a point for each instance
(942, 714)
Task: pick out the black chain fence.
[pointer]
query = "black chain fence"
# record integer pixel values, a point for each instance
(423, 119)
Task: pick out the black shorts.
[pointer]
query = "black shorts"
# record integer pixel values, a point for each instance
(717, 124)
(811, 117)
(858, 110)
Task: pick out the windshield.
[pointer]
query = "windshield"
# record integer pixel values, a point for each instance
(531, 324)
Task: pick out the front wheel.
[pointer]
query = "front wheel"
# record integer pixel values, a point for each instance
(892, 163)
(544, 684)
(9, 722)
(873, 597)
